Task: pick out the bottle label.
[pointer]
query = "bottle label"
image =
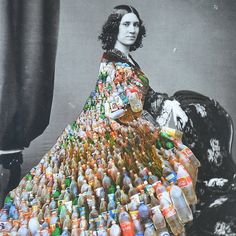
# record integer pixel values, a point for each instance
(133, 214)
(127, 228)
(187, 151)
(113, 213)
(171, 177)
(136, 198)
(168, 211)
(184, 181)
(149, 189)
(139, 234)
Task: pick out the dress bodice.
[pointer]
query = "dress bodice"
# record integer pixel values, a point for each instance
(118, 81)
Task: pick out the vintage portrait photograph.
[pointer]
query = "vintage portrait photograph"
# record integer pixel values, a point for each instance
(117, 117)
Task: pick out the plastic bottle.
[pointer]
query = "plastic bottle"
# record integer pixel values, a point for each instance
(144, 197)
(93, 213)
(187, 151)
(150, 230)
(117, 193)
(101, 231)
(159, 188)
(106, 181)
(115, 229)
(33, 224)
(126, 224)
(159, 221)
(189, 163)
(132, 190)
(152, 178)
(154, 200)
(124, 199)
(103, 206)
(134, 100)
(137, 180)
(138, 227)
(65, 232)
(180, 204)
(185, 183)
(169, 174)
(75, 231)
(174, 133)
(144, 212)
(23, 230)
(170, 214)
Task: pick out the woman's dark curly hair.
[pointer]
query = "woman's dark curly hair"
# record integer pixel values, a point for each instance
(110, 29)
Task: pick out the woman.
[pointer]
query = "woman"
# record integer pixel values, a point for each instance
(102, 162)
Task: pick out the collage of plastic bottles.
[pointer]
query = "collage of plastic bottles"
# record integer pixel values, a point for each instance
(98, 191)
(103, 177)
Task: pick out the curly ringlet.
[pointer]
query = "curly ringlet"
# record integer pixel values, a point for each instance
(110, 29)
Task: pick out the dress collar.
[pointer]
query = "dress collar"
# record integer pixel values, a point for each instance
(118, 54)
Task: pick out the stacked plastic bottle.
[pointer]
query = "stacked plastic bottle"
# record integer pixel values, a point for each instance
(106, 181)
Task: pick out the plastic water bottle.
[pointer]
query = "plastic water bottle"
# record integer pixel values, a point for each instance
(180, 204)
(150, 230)
(115, 229)
(101, 231)
(189, 161)
(170, 214)
(184, 181)
(144, 212)
(138, 227)
(187, 151)
(159, 221)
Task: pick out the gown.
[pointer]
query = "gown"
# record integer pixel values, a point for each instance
(110, 169)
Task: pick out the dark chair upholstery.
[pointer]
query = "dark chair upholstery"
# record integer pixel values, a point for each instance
(209, 133)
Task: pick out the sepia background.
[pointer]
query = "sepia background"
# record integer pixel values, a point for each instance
(190, 45)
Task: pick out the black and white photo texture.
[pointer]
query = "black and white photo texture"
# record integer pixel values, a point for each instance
(188, 54)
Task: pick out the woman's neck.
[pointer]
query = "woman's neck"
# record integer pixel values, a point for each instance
(123, 48)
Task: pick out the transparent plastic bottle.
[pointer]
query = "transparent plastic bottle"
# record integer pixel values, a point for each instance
(75, 231)
(138, 227)
(170, 214)
(184, 181)
(150, 230)
(180, 204)
(159, 188)
(187, 151)
(154, 200)
(144, 212)
(159, 221)
(101, 231)
(115, 229)
(65, 232)
(189, 161)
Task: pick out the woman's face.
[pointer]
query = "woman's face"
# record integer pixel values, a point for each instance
(128, 29)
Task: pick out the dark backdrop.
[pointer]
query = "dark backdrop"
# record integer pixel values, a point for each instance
(190, 44)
